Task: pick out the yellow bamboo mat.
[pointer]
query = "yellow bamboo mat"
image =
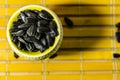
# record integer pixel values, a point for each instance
(87, 49)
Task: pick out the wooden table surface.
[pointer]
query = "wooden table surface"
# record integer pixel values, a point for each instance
(87, 49)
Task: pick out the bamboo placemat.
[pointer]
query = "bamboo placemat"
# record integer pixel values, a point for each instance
(87, 49)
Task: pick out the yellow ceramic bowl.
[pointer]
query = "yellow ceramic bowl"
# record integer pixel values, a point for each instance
(35, 55)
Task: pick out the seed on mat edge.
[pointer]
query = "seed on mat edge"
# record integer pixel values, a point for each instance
(16, 55)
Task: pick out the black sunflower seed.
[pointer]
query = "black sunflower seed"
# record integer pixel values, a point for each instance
(45, 15)
(18, 33)
(39, 46)
(49, 39)
(17, 23)
(24, 26)
(29, 39)
(53, 25)
(54, 33)
(37, 35)
(30, 14)
(53, 56)
(68, 22)
(34, 48)
(39, 24)
(118, 25)
(22, 40)
(42, 29)
(44, 41)
(53, 28)
(16, 55)
(31, 30)
(116, 55)
(15, 39)
(42, 23)
(24, 47)
(14, 30)
(22, 16)
(19, 45)
(31, 20)
(29, 47)
(35, 12)
(118, 36)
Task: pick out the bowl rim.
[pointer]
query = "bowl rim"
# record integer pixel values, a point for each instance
(55, 45)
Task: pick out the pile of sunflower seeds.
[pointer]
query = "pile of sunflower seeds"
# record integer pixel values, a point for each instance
(34, 30)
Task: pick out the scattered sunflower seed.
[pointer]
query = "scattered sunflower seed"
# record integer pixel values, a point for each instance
(16, 55)
(53, 56)
(118, 36)
(68, 22)
(116, 55)
(118, 25)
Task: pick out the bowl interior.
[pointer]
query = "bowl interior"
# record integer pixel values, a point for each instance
(14, 18)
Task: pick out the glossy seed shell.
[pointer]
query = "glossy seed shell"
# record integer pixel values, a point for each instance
(39, 46)
(30, 20)
(17, 23)
(50, 41)
(15, 39)
(68, 22)
(16, 55)
(43, 29)
(116, 55)
(31, 31)
(53, 25)
(18, 33)
(29, 47)
(44, 41)
(45, 15)
(118, 36)
(24, 26)
(22, 40)
(19, 45)
(29, 39)
(53, 56)
(118, 25)
(30, 14)
(37, 36)
(22, 16)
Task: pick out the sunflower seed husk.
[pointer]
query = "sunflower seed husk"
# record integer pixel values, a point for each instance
(45, 15)
(16, 55)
